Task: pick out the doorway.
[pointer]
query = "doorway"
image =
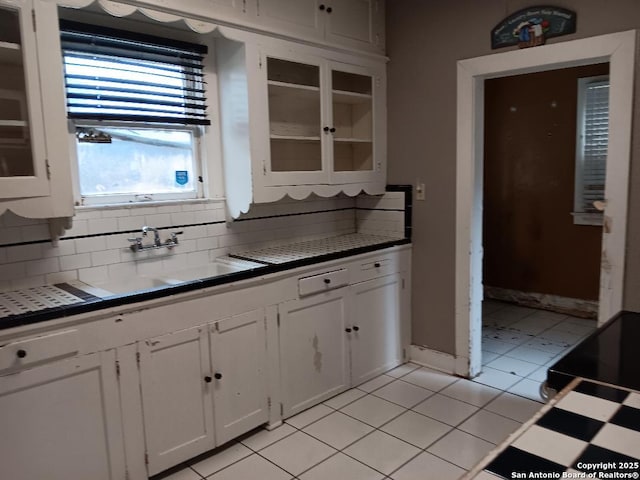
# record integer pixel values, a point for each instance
(618, 49)
(541, 259)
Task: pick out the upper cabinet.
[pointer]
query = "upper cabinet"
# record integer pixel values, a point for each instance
(33, 135)
(317, 123)
(351, 23)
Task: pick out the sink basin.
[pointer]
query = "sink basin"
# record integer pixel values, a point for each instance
(208, 270)
(132, 284)
(165, 279)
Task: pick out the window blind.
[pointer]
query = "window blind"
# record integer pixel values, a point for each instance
(118, 75)
(595, 142)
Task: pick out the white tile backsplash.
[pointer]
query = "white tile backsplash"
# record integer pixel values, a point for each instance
(96, 248)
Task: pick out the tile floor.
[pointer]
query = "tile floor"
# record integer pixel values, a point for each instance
(410, 420)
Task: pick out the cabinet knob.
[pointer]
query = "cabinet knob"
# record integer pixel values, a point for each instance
(348, 330)
(21, 353)
(329, 9)
(217, 375)
(356, 328)
(327, 281)
(321, 7)
(377, 265)
(326, 129)
(332, 129)
(208, 379)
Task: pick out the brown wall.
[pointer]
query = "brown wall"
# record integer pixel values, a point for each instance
(425, 39)
(530, 241)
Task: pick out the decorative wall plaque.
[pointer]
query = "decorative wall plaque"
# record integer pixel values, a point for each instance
(531, 26)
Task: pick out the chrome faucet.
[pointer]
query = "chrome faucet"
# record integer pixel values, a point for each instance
(156, 235)
(137, 246)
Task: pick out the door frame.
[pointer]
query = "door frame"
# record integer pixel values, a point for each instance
(619, 50)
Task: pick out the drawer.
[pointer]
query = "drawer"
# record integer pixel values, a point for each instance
(323, 282)
(23, 353)
(375, 267)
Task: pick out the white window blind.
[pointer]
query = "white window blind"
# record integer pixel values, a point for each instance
(592, 144)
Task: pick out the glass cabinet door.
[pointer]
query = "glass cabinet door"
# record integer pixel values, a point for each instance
(22, 162)
(352, 122)
(295, 116)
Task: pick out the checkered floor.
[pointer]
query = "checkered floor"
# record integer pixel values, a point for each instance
(593, 428)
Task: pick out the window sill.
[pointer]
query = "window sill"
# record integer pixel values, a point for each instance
(592, 219)
(155, 203)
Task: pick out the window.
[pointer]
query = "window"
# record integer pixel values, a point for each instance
(591, 148)
(138, 104)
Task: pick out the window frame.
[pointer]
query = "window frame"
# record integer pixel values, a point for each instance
(145, 198)
(581, 217)
(207, 142)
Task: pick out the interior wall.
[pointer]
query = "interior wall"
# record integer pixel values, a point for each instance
(530, 241)
(424, 42)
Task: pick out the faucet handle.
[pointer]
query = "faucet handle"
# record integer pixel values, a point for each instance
(136, 243)
(174, 236)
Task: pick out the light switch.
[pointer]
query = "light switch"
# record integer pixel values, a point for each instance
(419, 190)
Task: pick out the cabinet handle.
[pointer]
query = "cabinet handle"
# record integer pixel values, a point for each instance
(321, 7)
(208, 379)
(332, 129)
(217, 375)
(377, 265)
(327, 281)
(356, 328)
(348, 330)
(21, 353)
(329, 9)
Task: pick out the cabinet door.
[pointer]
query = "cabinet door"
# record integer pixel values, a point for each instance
(239, 359)
(358, 124)
(295, 110)
(313, 350)
(176, 397)
(376, 327)
(297, 17)
(23, 169)
(353, 23)
(62, 421)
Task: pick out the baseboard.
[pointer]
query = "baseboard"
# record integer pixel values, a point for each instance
(436, 360)
(555, 303)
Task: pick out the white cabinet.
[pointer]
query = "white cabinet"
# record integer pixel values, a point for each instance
(238, 363)
(313, 350)
(62, 421)
(334, 336)
(34, 155)
(349, 23)
(176, 385)
(375, 324)
(202, 386)
(324, 125)
(318, 125)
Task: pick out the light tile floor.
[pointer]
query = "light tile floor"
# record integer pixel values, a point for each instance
(411, 420)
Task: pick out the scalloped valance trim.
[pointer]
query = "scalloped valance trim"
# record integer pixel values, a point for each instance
(117, 9)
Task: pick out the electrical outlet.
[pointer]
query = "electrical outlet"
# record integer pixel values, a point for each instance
(419, 190)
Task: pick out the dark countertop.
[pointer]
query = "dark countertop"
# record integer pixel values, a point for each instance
(608, 355)
(95, 303)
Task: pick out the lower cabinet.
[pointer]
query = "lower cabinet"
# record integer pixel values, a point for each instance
(177, 397)
(62, 421)
(313, 349)
(239, 359)
(202, 387)
(337, 339)
(375, 324)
